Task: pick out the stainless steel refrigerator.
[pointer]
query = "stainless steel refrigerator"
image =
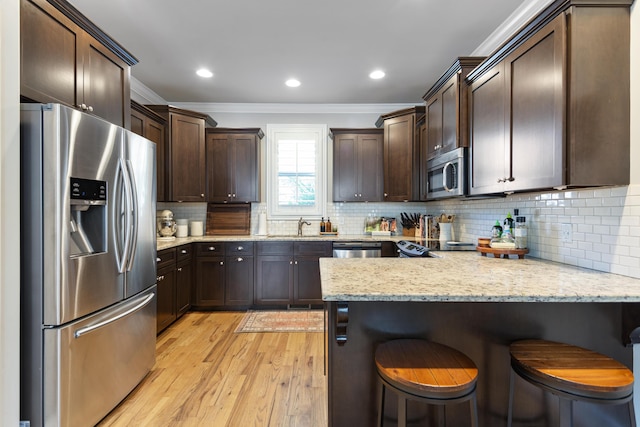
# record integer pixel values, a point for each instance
(88, 261)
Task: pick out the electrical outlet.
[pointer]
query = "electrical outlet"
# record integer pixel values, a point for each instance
(566, 233)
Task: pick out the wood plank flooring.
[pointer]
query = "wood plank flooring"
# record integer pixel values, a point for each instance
(206, 375)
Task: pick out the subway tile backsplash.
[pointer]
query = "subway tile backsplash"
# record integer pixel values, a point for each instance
(604, 222)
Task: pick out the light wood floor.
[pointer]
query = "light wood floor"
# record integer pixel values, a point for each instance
(206, 375)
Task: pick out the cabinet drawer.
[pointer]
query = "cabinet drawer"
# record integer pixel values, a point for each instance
(209, 249)
(312, 248)
(275, 248)
(165, 258)
(239, 248)
(184, 252)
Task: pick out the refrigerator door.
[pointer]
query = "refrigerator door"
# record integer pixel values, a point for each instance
(92, 364)
(71, 235)
(140, 164)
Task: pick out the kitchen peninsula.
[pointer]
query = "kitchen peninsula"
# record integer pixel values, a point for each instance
(478, 305)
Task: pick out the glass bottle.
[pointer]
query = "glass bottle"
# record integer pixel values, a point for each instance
(327, 225)
(521, 232)
(508, 223)
(496, 231)
(322, 226)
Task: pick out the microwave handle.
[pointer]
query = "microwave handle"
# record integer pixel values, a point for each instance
(444, 175)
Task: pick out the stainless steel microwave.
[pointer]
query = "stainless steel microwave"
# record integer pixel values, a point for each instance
(447, 175)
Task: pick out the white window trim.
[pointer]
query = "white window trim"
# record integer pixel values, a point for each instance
(275, 212)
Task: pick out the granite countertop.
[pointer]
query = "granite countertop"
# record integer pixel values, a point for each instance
(470, 277)
(167, 244)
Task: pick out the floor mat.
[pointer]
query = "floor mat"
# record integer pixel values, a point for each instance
(282, 321)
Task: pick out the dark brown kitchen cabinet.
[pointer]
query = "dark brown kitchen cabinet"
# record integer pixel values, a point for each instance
(224, 275)
(357, 165)
(185, 167)
(166, 289)
(184, 279)
(389, 249)
(66, 59)
(550, 109)
(446, 109)
(152, 126)
(274, 273)
(288, 273)
(401, 154)
(233, 165)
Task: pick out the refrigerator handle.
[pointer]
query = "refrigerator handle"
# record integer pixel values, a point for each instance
(127, 217)
(133, 227)
(90, 328)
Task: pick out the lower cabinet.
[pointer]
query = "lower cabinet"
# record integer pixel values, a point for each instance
(224, 275)
(288, 273)
(174, 282)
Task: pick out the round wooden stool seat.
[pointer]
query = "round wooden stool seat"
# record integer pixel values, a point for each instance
(572, 373)
(426, 371)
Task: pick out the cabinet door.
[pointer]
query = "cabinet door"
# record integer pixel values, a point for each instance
(106, 83)
(137, 122)
(307, 289)
(210, 277)
(184, 283)
(434, 125)
(345, 168)
(187, 159)
(245, 166)
(51, 65)
(166, 296)
(449, 96)
(535, 73)
(218, 165)
(155, 132)
(489, 152)
(399, 158)
(370, 164)
(274, 279)
(239, 281)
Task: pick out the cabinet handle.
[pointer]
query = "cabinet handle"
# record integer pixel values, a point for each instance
(158, 259)
(83, 106)
(90, 108)
(240, 248)
(296, 263)
(184, 251)
(359, 195)
(228, 194)
(179, 268)
(212, 248)
(240, 259)
(290, 262)
(221, 262)
(234, 195)
(510, 179)
(437, 147)
(385, 195)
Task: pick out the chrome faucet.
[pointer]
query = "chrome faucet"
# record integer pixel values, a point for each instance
(300, 224)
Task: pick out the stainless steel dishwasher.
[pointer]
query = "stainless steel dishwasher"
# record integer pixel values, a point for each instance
(357, 249)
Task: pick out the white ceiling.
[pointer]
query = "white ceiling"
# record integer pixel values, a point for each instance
(253, 46)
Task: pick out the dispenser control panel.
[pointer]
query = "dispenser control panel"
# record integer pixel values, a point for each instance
(88, 191)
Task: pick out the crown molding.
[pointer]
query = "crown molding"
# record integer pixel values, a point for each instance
(143, 95)
(282, 108)
(508, 28)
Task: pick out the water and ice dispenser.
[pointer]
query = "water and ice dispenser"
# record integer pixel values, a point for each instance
(88, 219)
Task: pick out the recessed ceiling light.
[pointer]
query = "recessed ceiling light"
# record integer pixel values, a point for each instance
(203, 72)
(377, 74)
(292, 83)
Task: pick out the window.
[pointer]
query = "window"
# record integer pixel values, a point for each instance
(296, 159)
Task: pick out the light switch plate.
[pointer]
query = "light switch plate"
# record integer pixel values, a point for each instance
(566, 233)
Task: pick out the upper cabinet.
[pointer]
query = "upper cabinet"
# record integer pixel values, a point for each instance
(357, 165)
(185, 166)
(147, 123)
(401, 154)
(551, 107)
(66, 59)
(233, 165)
(446, 109)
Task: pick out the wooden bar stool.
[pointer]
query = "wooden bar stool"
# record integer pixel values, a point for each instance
(571, 373)
(425, 371)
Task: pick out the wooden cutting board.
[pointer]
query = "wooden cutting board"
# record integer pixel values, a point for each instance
(228, 219)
